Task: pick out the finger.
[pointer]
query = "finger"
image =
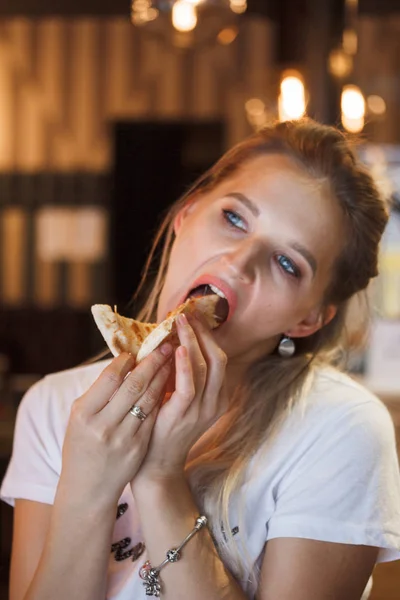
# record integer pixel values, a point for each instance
(135, 385)
(149, 402)
(216, 363)
(188, 339)
(108, 382)
(185, 389)
(143, 433)
(204, 336)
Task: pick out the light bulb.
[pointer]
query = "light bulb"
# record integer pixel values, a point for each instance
(353, 125)
(350, 41)
(238, 6)
(340, 63)
(352, 102)
(291, 102)
(227, 36)
(184, 15)
(353, 108)
(255, 107)
(376, 105)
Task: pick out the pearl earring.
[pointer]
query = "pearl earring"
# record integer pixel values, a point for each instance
(286, 347)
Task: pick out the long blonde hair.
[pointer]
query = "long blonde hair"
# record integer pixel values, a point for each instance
(273, 385)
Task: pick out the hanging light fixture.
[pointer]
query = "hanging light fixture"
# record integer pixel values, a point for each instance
(186, 17)
(341, 58)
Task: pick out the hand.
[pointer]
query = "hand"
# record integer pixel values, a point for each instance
(105, 444)
(198, 401)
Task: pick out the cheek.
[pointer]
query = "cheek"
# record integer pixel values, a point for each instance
(278, 306)
(192, 248)
(187, 255)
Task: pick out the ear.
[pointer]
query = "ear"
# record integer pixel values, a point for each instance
(182, 214)
(316, 319)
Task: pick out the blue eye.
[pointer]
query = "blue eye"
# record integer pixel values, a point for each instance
(288, 266)
(233, 219)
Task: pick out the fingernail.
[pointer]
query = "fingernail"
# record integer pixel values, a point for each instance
(166, 349)
(182, 319)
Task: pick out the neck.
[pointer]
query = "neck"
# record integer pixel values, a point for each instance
(238, 365)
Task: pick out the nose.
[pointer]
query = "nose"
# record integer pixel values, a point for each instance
(241, 261)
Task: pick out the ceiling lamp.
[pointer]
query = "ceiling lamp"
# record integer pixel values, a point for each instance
(292, 97)
(196, 21)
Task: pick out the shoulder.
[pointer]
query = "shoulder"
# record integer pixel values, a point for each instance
(340, 421)
(42, 420)
(344, 400)
(336, 472)
(336, 420)
(335, 396)
(77, 379)
(53, 396)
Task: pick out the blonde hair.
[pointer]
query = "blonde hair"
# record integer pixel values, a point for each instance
(273, 385)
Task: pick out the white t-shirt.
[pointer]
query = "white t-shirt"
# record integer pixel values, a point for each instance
(332, 474)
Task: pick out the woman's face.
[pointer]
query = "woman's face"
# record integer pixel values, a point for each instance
(268, 236)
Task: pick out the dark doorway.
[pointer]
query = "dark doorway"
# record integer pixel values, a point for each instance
(155, 162)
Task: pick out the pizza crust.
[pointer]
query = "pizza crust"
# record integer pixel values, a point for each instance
(139, 339)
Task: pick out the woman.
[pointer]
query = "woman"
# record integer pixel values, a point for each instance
(293, 464)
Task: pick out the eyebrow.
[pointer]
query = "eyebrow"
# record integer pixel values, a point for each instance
(253, 208)
(307, 255)
(246, 201)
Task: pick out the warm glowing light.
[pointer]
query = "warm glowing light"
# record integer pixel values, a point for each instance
(353, 108)
(353, 125)
(194, 2)
(352, 102)
(256, 113)
(142, 12)
(350, 41)
(227, 36)
(184, 15)
(141, 18)
(376, 105)
(291, 102)
(340, 63)
(238, 6)
(255, 106)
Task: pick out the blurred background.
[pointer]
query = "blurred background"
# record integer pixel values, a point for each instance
(108, 111)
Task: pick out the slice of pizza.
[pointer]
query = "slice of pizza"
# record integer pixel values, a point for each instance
(140, 339)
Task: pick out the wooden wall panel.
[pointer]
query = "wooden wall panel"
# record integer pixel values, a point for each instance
(13, 235)
(377, 68)
(63, 82)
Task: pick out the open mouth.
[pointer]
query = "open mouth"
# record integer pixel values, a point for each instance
(222, 307)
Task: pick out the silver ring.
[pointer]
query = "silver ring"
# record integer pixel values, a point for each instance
(136, 411)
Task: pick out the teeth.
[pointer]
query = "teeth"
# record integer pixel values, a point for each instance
(217, 291)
